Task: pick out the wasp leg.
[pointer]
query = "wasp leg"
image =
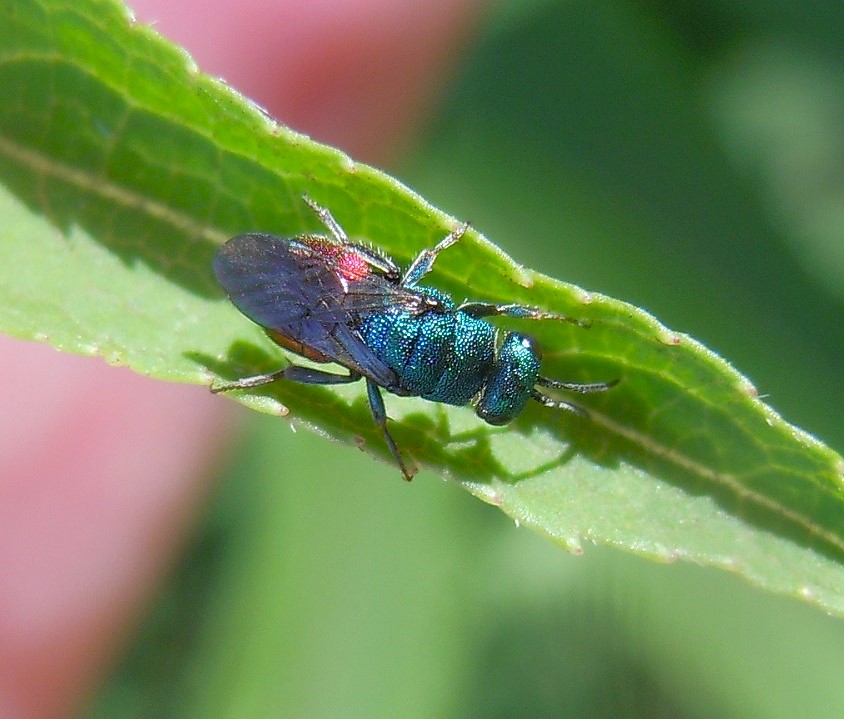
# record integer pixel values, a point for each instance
(379, 413)
(487, 309)
(306, 375)
(327, 219)
(292, 372)
(424, 261)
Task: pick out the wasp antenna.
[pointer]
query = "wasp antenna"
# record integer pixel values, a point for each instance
(546, 401)
(578, 387)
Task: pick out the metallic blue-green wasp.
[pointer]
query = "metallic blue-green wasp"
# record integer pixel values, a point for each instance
(330, 300)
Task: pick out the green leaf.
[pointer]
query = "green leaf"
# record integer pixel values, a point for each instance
(123, 168)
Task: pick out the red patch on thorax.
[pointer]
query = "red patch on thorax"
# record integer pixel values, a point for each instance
(350, 265)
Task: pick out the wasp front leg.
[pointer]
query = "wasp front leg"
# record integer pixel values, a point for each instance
(424, 261)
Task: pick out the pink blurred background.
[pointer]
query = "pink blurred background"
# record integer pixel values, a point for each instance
(105, 471)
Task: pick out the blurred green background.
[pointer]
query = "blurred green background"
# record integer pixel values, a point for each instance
(687, 157)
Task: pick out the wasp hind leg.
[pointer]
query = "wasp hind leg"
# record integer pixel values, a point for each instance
(294, 373)
(306, 375)
(379, 414)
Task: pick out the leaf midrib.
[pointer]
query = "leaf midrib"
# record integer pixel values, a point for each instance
(110, 191)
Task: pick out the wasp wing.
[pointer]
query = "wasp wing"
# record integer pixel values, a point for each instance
(293, 289)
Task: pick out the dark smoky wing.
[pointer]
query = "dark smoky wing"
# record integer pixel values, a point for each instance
(376, 294)
(273, 280)
(289, 288)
